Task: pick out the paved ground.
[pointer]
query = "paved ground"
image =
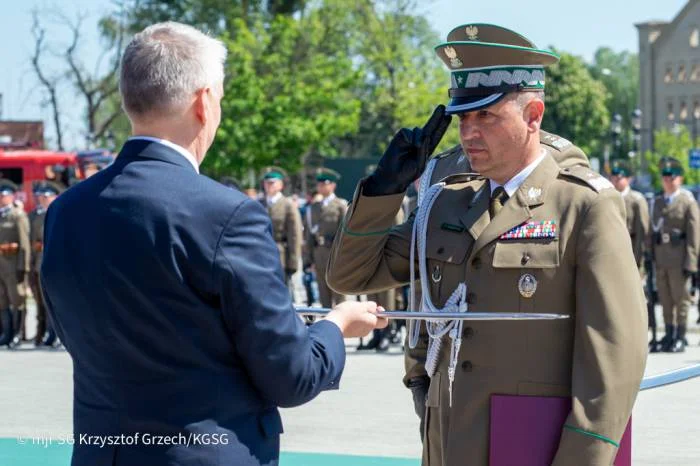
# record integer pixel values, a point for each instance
(370, 415)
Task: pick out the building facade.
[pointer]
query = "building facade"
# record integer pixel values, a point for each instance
(669, 73)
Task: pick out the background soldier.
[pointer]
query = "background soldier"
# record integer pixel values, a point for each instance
(675, 245)
(636, 208)
(323, 220)
(15, 254)
(286, 222)
(45, 193)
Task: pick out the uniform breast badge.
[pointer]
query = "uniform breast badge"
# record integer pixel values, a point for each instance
(527, 285)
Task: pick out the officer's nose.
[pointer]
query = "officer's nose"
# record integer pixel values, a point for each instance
(468, 130)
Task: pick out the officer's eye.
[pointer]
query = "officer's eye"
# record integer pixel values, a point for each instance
(483, 113)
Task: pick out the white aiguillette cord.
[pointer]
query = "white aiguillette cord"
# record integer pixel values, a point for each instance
(458, 299)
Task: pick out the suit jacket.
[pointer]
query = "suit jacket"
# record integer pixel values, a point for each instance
(166, 289)
(584, 268)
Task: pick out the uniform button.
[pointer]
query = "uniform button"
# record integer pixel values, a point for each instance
(440, 250)
(467, 366)
(471, 298)
(525, 259)
(476, 262)
(468, 332)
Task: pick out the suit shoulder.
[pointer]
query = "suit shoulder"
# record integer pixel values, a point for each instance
(586, 176)
(637, 196)
(688, 194)
(340, 201)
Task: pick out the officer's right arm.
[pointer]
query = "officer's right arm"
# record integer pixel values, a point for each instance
(369, 254)
(692, 234)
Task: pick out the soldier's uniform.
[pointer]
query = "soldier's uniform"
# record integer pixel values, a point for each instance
(637, 212)
(675, 243)
(286, 226)
(15, 254)
(45, 334)
(323, 222)
(558, 245)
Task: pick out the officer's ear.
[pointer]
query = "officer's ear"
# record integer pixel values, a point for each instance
(533, 114)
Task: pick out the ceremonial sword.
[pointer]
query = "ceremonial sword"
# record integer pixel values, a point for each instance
(653, 381)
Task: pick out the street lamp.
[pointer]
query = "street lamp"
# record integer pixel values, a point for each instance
(616, 132)
(636, 120)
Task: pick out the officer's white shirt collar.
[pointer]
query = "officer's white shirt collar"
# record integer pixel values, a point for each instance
(328, 199)
(177, 148)
(626, 191)
(273, 199)
(672, 197)
(514, 183)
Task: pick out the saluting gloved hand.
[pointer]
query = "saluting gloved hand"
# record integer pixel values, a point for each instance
(405, 158)
(20, 276)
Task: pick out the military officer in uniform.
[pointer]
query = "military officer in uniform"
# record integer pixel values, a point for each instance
(675, 243)
(44, 193)
(323, 221)
(15, 254)
(527, 236)
(286, 222)
(636, 209)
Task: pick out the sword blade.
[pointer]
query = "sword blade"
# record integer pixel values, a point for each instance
(670, 377)
(410, 315)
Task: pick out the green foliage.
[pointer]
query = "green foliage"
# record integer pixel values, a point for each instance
(284, 99)
(672, 144)
(575, 105)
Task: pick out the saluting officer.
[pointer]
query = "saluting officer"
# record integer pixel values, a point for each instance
(323, 220)
(15, 254)
(286, 222)
(44, 193)
(526, 235)
(675, 244)
(636, 209)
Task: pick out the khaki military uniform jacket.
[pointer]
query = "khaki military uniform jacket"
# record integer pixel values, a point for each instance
(15, 250)
(587, 271)
(287, 231)
(637, 211)
(323, 222)
(454, 161)
(675, 238)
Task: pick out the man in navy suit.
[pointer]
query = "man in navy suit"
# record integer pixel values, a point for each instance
(166, 287)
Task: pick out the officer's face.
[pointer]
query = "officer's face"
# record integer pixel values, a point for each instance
(671, 183)
(6, 199)
(325, 188)
(45, 201)
(272, 186)
(620, 182)
(496, 138)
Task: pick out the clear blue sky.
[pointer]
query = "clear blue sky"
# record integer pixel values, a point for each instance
(576, 27)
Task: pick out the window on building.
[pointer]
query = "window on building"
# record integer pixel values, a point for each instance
(681, 73)
(671, 116)
(695, 38)
(696, 109)
(683, 114)
(668, 77)
(695, 73)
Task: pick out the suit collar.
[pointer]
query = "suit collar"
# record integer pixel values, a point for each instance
(148, 149)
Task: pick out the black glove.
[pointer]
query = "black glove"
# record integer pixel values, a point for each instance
(419, 389)
(405, 158)
(20, 276)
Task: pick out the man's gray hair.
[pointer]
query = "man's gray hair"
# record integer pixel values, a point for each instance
(165, 64)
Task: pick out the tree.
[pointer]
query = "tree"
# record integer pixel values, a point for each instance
(576, 104)
(619, 73)
(675, 144)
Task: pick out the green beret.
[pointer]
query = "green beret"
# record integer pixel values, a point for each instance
(670, 166)
(621, 168)
(274, 173)
(487, 62)
(327, 175)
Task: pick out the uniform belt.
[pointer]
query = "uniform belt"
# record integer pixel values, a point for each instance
(9, 249)
(665, 238)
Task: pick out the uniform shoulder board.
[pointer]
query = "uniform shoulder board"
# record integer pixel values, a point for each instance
(461, 178)
(343, 202)
(456, 150)
(588, 176)
(557, 142)
(688, 193)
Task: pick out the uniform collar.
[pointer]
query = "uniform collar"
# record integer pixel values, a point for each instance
(671, 197)
(625, 191)
(177, 148)
(328, 199)
(273, 199)
(514, 183)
